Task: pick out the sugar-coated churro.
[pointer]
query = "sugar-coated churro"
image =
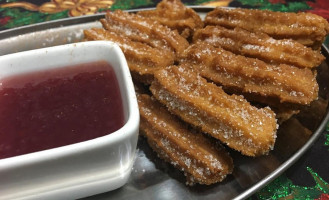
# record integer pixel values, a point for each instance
(142, 29)
(201, 159)
(230, 82)
(255, 79)
(307, 28)
(175, 15)
(229, 118)
(261, 46)
(142, 59)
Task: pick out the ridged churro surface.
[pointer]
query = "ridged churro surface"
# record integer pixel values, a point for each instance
(259, 81)
(145, 30)
(142, 59)
(201, 160)
(261, 46)
(307, 28)
(229, 118)
(175, 15)
(146, 43)
(230, 79)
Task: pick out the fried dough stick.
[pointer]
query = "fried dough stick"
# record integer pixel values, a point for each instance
(255, 79)
(229, 118)
(175, 15)
(261, 46)
(201, 160)
(307, 28)
(141, 58)
(142, 29)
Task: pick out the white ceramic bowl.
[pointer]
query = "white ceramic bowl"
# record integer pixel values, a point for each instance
(82, 169)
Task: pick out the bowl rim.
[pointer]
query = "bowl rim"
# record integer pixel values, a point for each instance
(129, 128)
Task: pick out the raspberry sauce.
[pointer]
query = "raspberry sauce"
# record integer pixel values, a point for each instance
(58, 107)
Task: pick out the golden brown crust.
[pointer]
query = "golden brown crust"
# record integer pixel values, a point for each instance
(240, 58)
(141, 58)
(142, 29)
(175, 15)
(231, 119)
(201, 160)
(146, 44)
(261, 46)
(307, 28)
(258, 81)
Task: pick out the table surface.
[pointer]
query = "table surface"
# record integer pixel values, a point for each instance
(306, 179)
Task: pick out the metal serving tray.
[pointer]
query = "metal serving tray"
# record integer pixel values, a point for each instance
(152, 178)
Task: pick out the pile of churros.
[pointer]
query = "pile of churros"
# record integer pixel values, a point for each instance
(222, 82)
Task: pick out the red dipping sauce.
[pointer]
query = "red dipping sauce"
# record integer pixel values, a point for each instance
(57, 107)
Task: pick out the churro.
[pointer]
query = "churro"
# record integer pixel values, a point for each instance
(175, 15)
(202, 160)
(255, 79)
(142, 59)
(307, 28)
(229, 118)
(243, 74)
(261, 46)
(142, 29)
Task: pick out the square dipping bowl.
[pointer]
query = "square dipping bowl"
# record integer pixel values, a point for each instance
(83, 168)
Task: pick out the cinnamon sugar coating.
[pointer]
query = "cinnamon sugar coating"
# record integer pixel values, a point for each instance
(147, 44)
(175, 15)
(229, 118)
(145, 30)
(306, 28)
(273, 85)
(261, 46)
(142, 59)
(257, 54)
(201, 160)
